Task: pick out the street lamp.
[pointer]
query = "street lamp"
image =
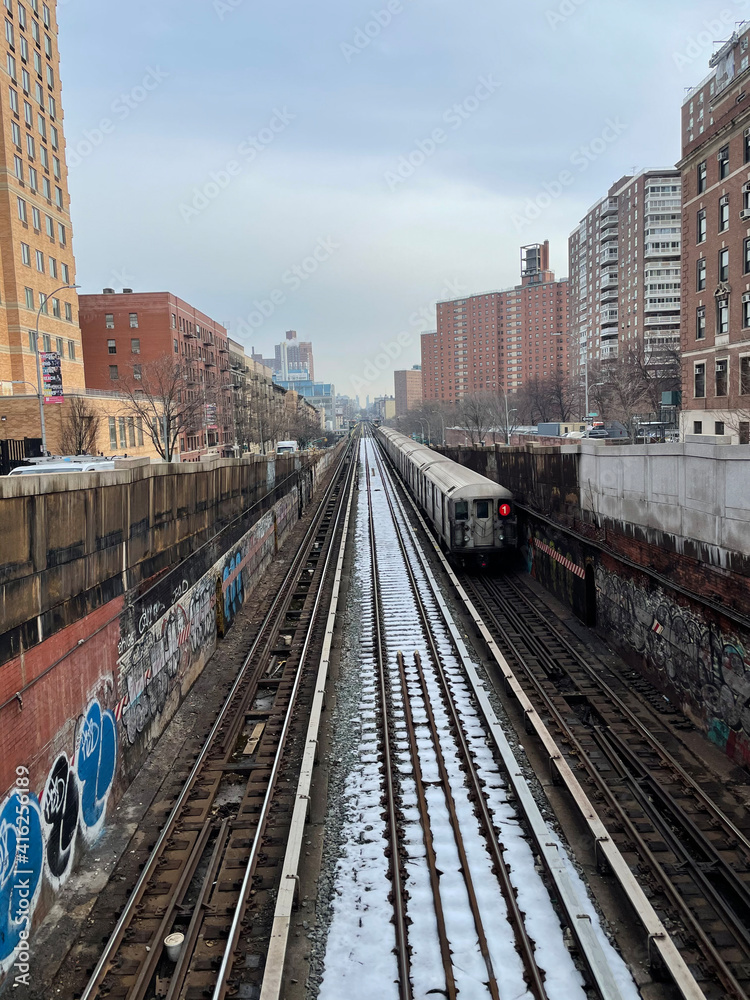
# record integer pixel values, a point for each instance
(38, 364)
(429, 432)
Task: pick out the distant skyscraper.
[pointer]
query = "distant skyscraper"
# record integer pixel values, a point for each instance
(293, 359)
(408, 390)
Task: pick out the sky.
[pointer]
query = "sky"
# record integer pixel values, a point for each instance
(336, 168)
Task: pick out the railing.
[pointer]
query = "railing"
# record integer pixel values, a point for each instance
(610, 206)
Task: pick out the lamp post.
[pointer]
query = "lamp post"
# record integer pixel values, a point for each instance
(38, 363)
(429, 432)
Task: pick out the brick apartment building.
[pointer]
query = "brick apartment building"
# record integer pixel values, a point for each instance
(123, 332)
(498, 341)
(715, 168)
(407, 390)
(625, 268)
(36, 255)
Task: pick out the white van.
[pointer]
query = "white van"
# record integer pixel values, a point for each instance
(46, 468)
(287, 448)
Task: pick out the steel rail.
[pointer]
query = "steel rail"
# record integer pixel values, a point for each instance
(524, 943)
(280, 598)
(273, 973)
(234, 932)
(399, 902)
(643, 730)
(445, 948)
(591, 950)
(723, 971)
(603, 841)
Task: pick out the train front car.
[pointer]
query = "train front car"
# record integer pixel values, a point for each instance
(481, 524)
(474, 518)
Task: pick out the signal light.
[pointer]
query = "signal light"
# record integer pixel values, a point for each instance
(505, 510)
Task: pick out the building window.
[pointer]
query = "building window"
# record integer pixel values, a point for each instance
(134, 321)
(700, 323)
(40, 261)
(697, 427)
(49, 223)
(724, 264)
(43, 303)
(722, 377)
(176, 347)
(65, 271)
(701, 283)
(26, 254)
(722, 316)
(56, 308)
(29, 298)
(723, 163)
(109, 321)
(174, 322)
(113, 372)
(718, 427)
(69, 312)
(112, 434)
(18, 167)
(123, 439)
(135, 345)
(59, 346)
(32, 341)
(139, 424)
(745, 375)
(724, 214)
(46, 343)
(137, 371)
(72, 350)
(131, 432)
(112, 347)
(13, 100)
(22, 210)
(699, 384)
(747, 145)
(15, 134)
(61, 234)
(702, 176)
(746, 310)
(702, 226)
(52, 267)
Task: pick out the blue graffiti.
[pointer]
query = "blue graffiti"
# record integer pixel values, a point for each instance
(234, 593)
(21, 863)
(95, 767)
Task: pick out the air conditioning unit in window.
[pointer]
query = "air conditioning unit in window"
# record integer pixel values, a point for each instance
(745, 213)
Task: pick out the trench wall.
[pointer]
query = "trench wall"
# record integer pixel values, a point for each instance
(120, 622)
(651, 546)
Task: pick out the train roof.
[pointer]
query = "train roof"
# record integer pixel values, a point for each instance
(453, 480)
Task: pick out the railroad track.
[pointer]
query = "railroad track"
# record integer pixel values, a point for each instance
(691, 858)
(214, 872)
(446, 799)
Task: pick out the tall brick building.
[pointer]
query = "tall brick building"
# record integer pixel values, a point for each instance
(625, 270)
(407, 390)
(123, 332)
(499, 340)
(36, 255)
(715, 169)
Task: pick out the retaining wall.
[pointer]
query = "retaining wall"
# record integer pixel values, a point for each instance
(120, 622)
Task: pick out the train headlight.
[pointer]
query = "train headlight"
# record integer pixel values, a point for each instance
(505, 510)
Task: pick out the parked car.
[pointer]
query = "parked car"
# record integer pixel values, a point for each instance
(47, 468)
(575, 435)
(598, 432)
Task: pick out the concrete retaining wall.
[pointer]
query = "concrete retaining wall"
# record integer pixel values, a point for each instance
(82, 705)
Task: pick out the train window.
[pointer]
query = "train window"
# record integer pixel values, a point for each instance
(482, 509)
(462, 510)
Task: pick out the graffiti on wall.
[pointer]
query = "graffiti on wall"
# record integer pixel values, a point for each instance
(704, 666)
(39, 833)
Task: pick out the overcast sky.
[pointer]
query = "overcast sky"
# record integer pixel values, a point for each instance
(340, 166)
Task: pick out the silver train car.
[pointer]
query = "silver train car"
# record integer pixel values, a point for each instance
(474, 518)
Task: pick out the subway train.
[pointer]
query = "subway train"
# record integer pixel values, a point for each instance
(474, 518)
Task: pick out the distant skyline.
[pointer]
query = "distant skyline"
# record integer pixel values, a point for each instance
(336, 171)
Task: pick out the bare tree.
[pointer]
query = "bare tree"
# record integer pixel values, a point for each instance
(166, 395)
(474, 413)
(80, 427)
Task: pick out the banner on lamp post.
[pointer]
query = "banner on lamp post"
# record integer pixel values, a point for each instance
(52, 384)
(211, 422)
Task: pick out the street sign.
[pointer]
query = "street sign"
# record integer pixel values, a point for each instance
(593, 414)
(51, 377)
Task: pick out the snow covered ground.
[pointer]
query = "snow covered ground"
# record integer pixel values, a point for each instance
(359, 963)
